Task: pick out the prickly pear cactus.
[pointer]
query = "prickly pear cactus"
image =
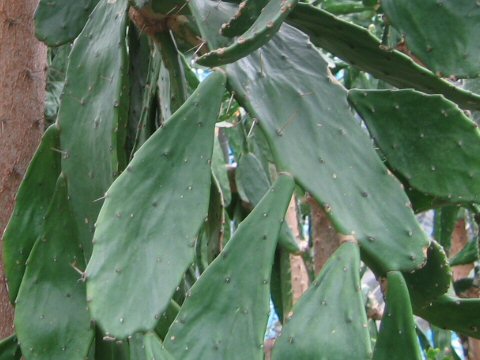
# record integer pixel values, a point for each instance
(147, 225)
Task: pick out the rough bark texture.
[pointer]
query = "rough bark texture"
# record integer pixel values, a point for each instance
(22, 84)
(325, 238)
(300, 281)
(459, 240)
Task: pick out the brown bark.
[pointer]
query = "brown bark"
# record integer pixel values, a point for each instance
(22, 84)
(300, 281)
(459, 240)
(325, 238)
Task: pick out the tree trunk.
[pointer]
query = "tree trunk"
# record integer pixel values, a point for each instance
(22, 85)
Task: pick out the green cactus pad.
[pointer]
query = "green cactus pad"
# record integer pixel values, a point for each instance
(265, 26)
(360, 48)
(211, 237)
(166, 319)
(60, 21)
(443, 34)
(448, 312)
(467, 255)
(33, 198)
(94, 107)
(405, 123)
(397, 339)
(252, 184)
(432, 280)
(248, 12)
(51, 317)
(220, 172)
(281, 284)
(226, 311)
(251, 179)
(148, 347)
(329, 320)
(445, 220)
(107, 348)
(138, 234)
(144, 71)
(173, 87)
(334, 160)
(10, 349)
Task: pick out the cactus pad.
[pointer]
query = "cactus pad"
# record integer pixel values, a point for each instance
(406, 123)
(33, 199)
(329, 320)
(143, 247)
(225, 314)
(51, 317)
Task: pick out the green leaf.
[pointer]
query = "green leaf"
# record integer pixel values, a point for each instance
(51, 317)
(329, 320)
(33, 199)
(397, 339)
(137, 232)
(361, 49)
(226, 312)
(406, 123)
(443, 34)
(60, 21)
(92, 115)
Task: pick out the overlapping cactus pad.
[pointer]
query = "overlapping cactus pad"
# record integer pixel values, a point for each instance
(171, 210)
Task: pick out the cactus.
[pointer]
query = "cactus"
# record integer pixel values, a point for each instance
(153, 185)
(252, 184)
(432, 280)
(9, 349)
(60, 21)
(362, 49)
(456, 21)
(468, 255)
(232, 295)
(143, 239)
(403, 129)
(33, 199)
(265, 26)
(248, 12)
(397, 339)
(148, 346)
(329, 321)
(335, 132)
(51, 291)
(444, 225)
(94, 104)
